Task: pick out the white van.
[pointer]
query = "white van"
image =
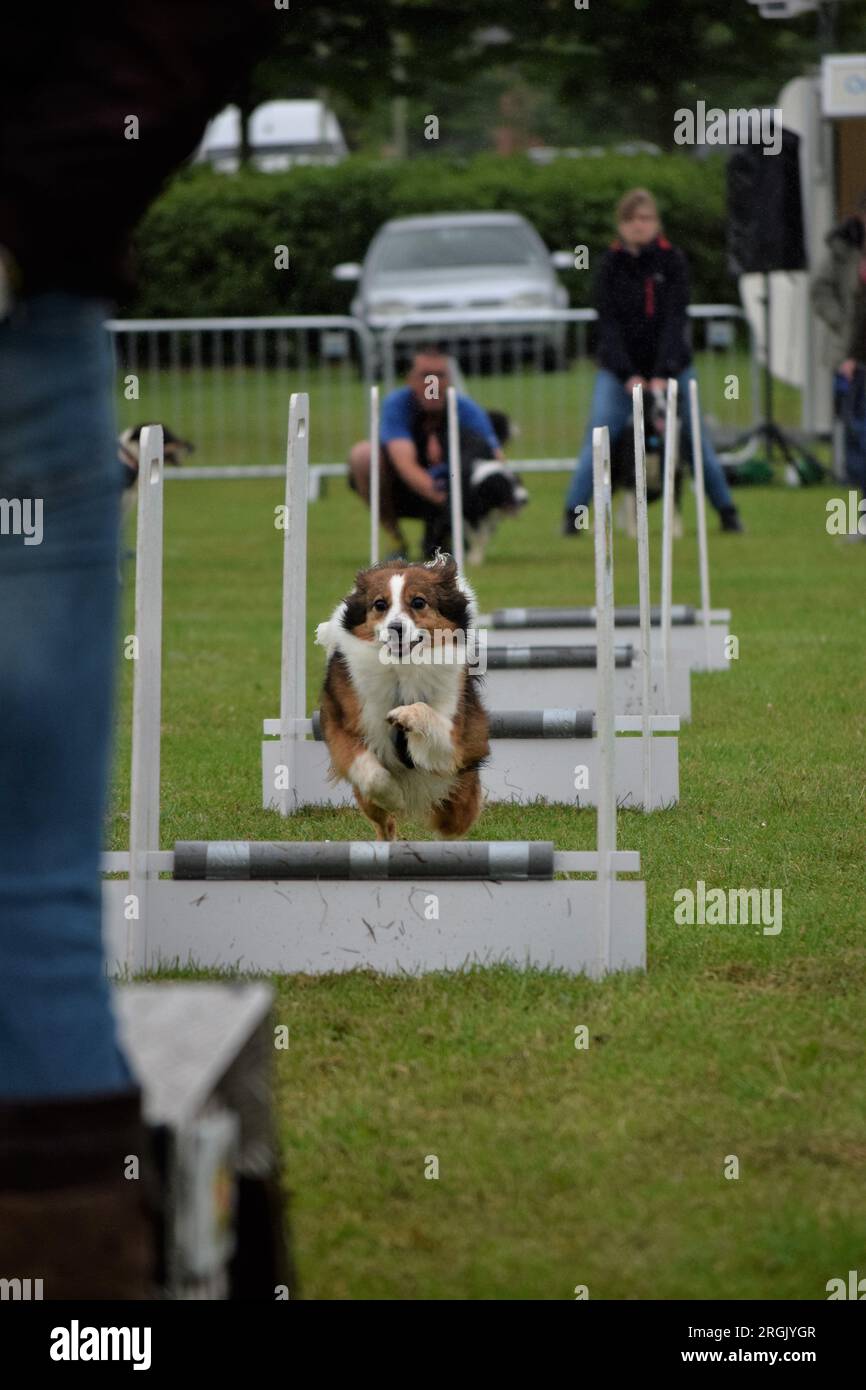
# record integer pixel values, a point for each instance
(281, 134)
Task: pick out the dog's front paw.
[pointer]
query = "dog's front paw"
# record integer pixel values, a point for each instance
(428, 736)
(413, 719)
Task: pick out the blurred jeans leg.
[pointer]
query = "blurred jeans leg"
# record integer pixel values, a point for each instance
(715, 482)
(854, 405)
(58, 649)
(611, 406)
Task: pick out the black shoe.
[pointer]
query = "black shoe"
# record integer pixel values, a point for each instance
(568, 526)
(730, 519)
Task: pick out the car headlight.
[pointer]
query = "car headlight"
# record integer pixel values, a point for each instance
(530, 301)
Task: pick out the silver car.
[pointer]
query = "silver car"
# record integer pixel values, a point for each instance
(455, 262)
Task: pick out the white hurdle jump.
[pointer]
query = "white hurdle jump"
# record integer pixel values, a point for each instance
(551, 753)
(325, 906)
(552, 677)
(694, 637)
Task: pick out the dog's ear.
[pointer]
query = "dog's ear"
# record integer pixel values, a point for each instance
(454, 597)
(355, 604)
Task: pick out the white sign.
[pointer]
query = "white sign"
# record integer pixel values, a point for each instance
(844, 85)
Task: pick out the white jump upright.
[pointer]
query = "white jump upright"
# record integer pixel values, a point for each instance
(375, 476)
(455, 481)
(146, 678)
(643, 580)
(603, 524)
(334, 906)
(293, 655)
(701, 509)
(670, 468)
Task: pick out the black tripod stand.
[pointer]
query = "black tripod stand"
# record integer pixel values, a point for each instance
(766, 233)
(767, 431)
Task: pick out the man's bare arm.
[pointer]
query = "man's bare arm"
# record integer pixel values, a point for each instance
(404, 456)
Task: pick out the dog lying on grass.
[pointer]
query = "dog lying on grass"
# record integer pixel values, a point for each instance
(400, 712)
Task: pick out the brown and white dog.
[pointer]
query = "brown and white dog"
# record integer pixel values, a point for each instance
(404, 723)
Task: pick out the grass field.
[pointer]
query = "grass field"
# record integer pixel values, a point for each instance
(559, 1167)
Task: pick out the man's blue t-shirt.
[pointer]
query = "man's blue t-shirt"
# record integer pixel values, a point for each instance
(400, 412)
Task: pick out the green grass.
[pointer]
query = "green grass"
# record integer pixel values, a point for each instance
(560, 1167)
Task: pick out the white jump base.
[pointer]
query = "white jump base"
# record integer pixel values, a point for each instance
(331, 926)
(559, 687)
(521, 771)
(688, 642)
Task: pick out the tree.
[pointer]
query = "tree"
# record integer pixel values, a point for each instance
(619, 68)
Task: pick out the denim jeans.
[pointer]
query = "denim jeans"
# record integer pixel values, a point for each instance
(59, 508)
(611, 406)
(851, 406)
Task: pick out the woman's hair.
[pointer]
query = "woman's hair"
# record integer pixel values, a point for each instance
(632, 200)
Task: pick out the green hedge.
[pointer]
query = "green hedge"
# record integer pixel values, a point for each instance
(206, 247)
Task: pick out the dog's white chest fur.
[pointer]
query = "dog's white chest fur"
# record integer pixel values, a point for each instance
(382, 685)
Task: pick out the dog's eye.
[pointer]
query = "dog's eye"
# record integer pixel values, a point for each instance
(418, 602)
(381, 605)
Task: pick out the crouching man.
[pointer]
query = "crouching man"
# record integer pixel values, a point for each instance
(413, 449)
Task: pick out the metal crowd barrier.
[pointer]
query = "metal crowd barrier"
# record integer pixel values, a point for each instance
(223, 383)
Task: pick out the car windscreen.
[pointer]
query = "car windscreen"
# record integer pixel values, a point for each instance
(444, 248)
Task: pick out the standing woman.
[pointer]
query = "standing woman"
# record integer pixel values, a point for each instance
(642, 297)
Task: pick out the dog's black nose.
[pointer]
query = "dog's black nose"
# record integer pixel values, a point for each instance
(397, 630)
